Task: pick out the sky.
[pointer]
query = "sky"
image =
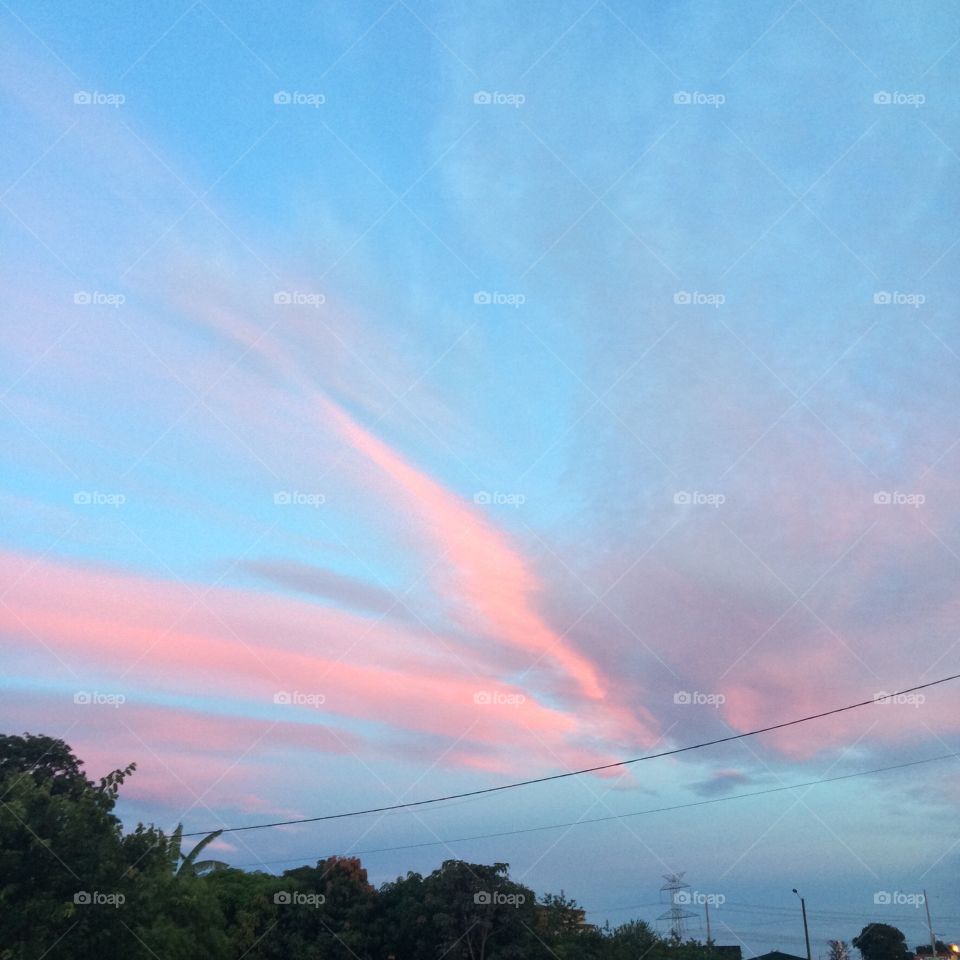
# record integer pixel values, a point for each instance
(404, 398)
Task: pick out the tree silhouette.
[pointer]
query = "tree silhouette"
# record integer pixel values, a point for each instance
(880, 941)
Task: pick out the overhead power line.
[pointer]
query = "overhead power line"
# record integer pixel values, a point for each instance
(781, 913)
(617, 816)
(577, 773)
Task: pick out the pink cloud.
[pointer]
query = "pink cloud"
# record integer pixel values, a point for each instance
(181, 754)
(155, 638)
(490, 579)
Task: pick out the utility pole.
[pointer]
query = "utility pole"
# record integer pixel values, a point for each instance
(806, 932)
(933, 936)
(706, 907)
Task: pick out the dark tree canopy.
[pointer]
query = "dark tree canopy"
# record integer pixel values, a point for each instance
(45, 760)
(74, 886)
(880, 941)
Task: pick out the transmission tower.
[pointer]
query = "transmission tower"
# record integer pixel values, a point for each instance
(679, 899)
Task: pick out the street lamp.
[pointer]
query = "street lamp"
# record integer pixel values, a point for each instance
(806, 932)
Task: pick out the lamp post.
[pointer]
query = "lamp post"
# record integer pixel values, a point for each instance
(806, 932)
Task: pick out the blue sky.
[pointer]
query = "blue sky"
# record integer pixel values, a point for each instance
(587, 353)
